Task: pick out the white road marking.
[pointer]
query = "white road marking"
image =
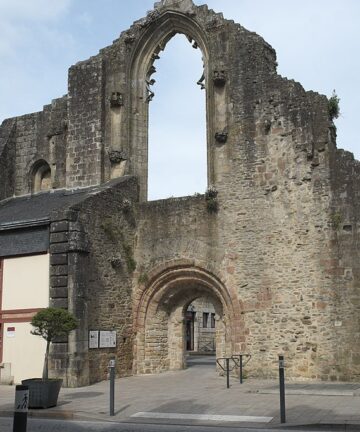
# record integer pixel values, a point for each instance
(209, 417)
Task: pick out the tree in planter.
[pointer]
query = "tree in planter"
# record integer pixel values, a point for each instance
(51, 323)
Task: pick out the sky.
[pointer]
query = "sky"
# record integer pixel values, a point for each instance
(317, 44)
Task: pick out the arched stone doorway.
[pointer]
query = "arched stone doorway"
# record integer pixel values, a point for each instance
(160, 317)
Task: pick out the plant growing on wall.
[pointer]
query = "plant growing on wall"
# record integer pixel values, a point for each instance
(334, 106)
(336, 220)
(51, 323)
(211, 199)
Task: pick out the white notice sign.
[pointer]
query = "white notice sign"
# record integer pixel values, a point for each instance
(10, 332)
(107, 339)
(94, 339)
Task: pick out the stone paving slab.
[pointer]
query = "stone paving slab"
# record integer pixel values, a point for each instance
(199, 390)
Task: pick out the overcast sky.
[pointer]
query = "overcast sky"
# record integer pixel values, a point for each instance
(317, 43)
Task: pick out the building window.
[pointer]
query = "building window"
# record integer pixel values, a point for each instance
(212, 320)
(205, 319)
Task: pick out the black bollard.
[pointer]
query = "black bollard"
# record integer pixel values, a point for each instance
(241, 369)
(21, 408)
(112, 386)
(227, 373)
(282, 388)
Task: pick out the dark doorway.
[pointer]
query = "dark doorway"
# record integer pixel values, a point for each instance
(190, 318)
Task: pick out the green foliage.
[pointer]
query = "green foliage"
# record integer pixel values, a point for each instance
(109, 230)
(212, 205)
(143, 278)
(51, 323)
(126, 206)
(114, 234)
(211, 199)
(130, 262)
(211, 193)
(334, 106)
(336, 220)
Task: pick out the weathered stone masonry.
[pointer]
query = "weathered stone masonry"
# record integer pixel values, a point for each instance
(279, 258)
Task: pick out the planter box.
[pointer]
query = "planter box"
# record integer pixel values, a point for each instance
(43, 393)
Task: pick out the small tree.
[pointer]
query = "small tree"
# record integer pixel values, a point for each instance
(51, 323)
(334, 106)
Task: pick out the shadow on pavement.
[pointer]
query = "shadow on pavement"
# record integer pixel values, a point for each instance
(308, 417)
(82, 395)
(182, 407)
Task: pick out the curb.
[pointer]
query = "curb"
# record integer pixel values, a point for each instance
(64, 415)
(72, 415)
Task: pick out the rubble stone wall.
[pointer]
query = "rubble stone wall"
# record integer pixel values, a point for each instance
(276, 248)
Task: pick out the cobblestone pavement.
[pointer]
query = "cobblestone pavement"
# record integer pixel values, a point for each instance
(198, 395)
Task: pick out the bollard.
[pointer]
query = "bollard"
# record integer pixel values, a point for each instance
(21, 408)
(112, 386)
(241, 369)
(282, 388)
(227, 373)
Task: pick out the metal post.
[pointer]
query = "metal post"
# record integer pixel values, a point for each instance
(21, 408)
(241, 369)
(227, 373)
(112, 386)
(282, 388)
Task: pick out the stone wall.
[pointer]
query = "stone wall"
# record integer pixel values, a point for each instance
(92, 263)
(84, 158)
(28, 139)
(110, 222)
(278, 250)
(342, 301)
(7, 158)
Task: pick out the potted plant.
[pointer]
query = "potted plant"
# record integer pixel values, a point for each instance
(49, 323)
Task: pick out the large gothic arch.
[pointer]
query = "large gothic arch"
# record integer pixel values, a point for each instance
(141, 67)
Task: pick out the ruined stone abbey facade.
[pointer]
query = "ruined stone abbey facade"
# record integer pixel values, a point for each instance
(274, 243)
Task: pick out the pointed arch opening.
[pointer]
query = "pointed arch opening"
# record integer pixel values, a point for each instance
(177, 122)
(145, 54)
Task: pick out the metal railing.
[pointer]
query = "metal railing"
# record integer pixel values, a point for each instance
(237, 361)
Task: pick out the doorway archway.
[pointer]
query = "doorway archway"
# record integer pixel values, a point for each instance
(161, 317)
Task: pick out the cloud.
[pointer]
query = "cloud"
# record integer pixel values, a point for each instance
(32, 41)
(32, 10)
(25, 23)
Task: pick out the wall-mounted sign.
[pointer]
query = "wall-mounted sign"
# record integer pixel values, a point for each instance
(10, 332)
(107, 339)
(94, 339)
(102, 339)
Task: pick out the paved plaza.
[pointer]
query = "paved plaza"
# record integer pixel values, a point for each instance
(198, 395)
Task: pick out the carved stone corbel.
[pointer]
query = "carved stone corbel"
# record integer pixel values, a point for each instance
(116, 100)
(117, 156)
(221, 137)
(219, 78)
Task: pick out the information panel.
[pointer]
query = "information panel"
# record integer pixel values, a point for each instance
(94, 339)
(107, 339)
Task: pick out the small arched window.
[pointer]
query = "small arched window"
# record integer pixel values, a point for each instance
(41, 177)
